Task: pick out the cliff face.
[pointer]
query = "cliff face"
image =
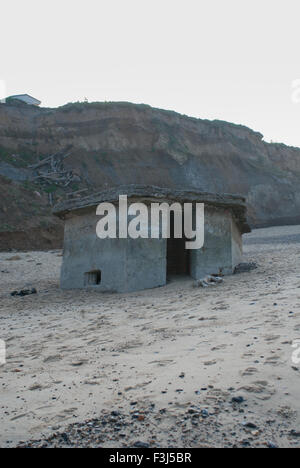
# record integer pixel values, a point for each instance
(122, 143)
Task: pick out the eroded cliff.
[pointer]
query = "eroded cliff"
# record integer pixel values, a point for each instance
(123, 143)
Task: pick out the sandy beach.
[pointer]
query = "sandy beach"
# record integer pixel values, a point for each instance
(167, 362)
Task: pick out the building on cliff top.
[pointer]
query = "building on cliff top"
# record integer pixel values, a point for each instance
(126, 264)
(24, 98)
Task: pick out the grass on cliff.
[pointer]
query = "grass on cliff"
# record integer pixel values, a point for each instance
(21, 158)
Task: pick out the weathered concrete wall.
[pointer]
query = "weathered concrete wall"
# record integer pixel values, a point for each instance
(222, 241)
(125, 264)
(237, 244)
(145, 263)
(84, 252)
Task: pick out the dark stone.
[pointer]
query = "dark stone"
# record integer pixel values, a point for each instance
(271, 445)
(245, 267)
(140, 444)
(250, 425)
(246, 443)
(65, 437)
(238, 399)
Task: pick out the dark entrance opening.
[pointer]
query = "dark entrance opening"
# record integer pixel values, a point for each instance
(178, 258)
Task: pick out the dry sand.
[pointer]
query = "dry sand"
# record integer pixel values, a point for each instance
(76, 355)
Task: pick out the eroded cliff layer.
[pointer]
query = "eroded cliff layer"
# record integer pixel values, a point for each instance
(123, 143)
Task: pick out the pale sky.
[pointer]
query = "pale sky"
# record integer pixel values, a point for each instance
(234, 60)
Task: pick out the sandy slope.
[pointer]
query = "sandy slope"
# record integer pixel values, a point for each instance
(75, 354)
